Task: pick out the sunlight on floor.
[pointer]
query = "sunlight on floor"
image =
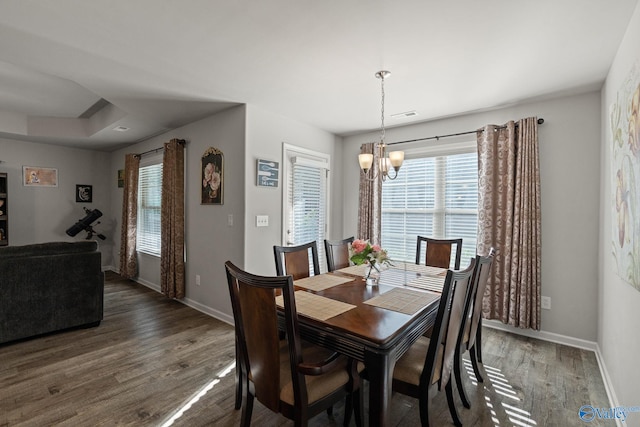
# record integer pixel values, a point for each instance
(500, 385)
(204, 390)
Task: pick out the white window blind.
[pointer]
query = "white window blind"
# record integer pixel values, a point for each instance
(149, 199)
(433, 197)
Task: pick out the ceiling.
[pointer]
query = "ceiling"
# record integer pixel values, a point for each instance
(73, 70)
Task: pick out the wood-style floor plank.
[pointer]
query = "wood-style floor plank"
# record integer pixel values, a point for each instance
(150, 356)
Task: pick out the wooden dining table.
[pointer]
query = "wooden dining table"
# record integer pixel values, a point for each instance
(372, 321)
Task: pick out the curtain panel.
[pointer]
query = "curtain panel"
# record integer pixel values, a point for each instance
(128, 229)
(370, 203)
(509, 220)
(172, 279)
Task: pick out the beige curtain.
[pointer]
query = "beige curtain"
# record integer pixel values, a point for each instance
(370, 204)
(509, 220)
(172, 282)
(128, 260)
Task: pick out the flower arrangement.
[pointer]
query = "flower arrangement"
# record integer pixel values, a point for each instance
(363, 252)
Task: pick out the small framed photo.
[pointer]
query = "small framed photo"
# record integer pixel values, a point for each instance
(84, 193)
(120, 178)
(33, 176)
(267, 172)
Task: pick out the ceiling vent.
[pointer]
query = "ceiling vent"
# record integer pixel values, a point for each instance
(121, 129)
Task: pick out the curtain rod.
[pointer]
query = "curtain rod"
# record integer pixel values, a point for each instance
(155, 150)
(540, 121)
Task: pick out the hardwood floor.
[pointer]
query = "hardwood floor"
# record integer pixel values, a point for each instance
(151, 355)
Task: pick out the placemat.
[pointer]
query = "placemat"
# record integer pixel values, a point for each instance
(356, 270)
(403, 300)
(321, 282)
(429, 283)
(422, 269)
(315, 306)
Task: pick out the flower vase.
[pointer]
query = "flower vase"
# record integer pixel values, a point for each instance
(372, 274)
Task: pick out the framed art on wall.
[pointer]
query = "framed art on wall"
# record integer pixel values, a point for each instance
(212, 177)
(84, 193)
(33, 176)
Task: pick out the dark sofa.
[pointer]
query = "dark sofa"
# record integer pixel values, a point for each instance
(49, 287)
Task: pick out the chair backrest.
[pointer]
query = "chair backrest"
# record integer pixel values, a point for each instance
(446, 330)
(438, 252)
(476, 295)
(294, 260)
(337, 253)
(254, 313)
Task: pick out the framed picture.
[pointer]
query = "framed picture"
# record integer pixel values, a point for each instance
(212, 177)
(120, 178)
(84, 193)
(39, 177)
(267, 172)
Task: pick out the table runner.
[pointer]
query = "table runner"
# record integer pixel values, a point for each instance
(356, 270)
(403, 300)
(316, 306)
(422, 269)
(321, 282)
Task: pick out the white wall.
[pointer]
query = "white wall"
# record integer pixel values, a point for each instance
(569, 157)
(43, 214)
(265, 134)
(209, 240)
(619, 302)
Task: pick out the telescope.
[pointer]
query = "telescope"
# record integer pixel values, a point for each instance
(84, 224)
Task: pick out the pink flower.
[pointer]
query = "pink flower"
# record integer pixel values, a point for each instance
(376, 248)
(359, 245)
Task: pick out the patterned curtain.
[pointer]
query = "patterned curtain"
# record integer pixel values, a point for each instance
(509, 219)
(128, 260)
(172, 282)
(370, 205)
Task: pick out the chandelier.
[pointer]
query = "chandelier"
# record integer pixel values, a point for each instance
(386, 163)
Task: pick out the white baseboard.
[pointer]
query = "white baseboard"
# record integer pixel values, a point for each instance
(223, 317)
(565, 340)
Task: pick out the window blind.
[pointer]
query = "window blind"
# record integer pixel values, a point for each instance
(149, 209)
(434, 197)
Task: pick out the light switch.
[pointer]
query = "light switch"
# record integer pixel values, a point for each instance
(262, 220)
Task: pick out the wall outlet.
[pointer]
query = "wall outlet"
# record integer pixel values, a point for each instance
(262, 220)
(546, 303)
(230, 220)
(198, 279)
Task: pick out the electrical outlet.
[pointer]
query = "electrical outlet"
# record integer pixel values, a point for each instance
(546, 303)
(262, 220)
(198, 279)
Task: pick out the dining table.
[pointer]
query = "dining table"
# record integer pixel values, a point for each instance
(372, 320)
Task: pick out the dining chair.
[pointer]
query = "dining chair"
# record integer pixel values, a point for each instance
(294, 260)
(298, 381)
(337, 253)
(427, 366)
(438, 252)
(471, 332)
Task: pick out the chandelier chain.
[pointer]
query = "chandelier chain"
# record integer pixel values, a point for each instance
(382, 135)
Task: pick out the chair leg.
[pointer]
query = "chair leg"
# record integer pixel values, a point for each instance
(424, 404)
(239, 380)
(452, 405)
(330, 411)
(348, 409)
(478, 343)
(457, 370)
(247, 407)
(473, 352)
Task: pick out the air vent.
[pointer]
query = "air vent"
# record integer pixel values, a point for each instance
(405, 114)
(120, 129)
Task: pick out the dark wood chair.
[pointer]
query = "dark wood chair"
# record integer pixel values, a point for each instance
(337, 253)
(438, 252)
(427, 367)
(294, 260)
(298, 381)
(471, 333)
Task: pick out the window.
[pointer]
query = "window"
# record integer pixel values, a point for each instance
(435, 196)
(149, 199)
(306, 199)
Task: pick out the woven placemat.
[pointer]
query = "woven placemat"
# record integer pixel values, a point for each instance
(422, 269)
(429, 283)
(315, 306)
(321, 282)
(403, 300)
(356, 270)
